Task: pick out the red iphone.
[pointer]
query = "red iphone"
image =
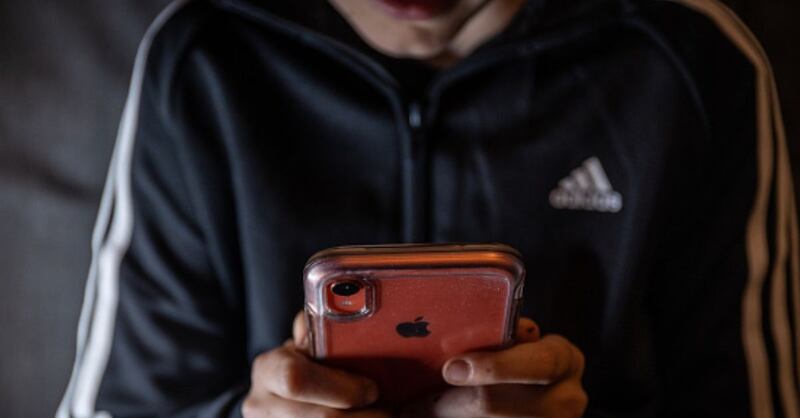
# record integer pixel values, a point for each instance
(397, 313)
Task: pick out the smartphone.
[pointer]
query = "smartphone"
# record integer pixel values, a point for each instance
(397, 313)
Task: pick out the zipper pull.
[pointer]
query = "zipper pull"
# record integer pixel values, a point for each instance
(414, 115)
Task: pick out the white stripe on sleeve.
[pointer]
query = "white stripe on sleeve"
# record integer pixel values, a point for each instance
(771, 137)
(100, 297)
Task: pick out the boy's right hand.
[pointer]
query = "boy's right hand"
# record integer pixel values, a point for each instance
(285, 382)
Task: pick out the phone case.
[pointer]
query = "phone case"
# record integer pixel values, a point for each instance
(397, 313)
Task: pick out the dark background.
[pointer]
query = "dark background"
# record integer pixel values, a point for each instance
(64, 69)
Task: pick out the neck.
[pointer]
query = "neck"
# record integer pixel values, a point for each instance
(487, 23)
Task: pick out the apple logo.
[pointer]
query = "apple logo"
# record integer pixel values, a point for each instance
(418, 328)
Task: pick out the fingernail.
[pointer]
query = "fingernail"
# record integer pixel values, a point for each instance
(457, 371)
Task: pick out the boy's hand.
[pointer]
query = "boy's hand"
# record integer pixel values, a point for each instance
(286, 383)
(535, 377)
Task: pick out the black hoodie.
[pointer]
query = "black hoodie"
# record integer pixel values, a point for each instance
(631, 150)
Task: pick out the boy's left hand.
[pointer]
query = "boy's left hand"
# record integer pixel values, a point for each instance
(534, 378)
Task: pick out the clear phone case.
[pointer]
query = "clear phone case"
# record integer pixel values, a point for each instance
(397, 313)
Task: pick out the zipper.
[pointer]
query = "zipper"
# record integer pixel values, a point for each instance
(414, 190)
(415, 185)
(414, 116)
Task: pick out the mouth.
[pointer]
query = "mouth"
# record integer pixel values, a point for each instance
(416, 9)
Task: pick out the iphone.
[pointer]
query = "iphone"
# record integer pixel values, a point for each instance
(397, 313)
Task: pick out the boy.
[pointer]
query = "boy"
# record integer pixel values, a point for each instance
(631, 150)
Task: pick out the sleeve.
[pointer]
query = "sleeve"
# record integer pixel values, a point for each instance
(726, 307)
(157, 335)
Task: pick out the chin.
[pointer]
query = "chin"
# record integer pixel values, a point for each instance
(421, 53)
(420, 47)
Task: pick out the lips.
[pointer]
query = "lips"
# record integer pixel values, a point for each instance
(416, 9)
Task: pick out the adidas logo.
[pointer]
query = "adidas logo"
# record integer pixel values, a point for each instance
(586, 188)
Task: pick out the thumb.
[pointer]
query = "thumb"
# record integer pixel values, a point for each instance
(300, 332)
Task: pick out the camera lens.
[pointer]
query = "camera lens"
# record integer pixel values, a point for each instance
(346, 288)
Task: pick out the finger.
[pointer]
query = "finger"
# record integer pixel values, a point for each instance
(300, 331)
(290, 374)
(272, 406)
(527, 331)
(549, 360)
(565, 400)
